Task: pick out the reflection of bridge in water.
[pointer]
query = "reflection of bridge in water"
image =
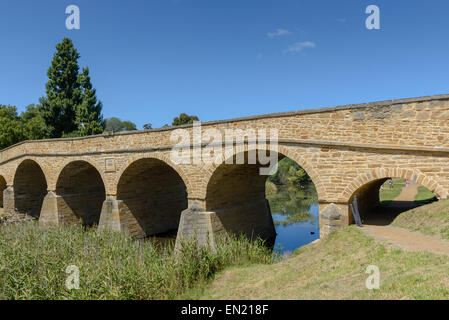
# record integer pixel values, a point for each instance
(127, 181)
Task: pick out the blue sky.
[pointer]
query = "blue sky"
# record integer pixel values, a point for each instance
(152, 59)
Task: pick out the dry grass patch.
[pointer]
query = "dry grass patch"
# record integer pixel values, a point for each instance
(335, 269)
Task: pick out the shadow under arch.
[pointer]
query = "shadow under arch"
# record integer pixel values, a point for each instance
(157, 156)
(386, 173)
(282, 152)
(151, 196)
(30, 188)
(367, 189)
(80, 193)
(236, 194)
(3, 186)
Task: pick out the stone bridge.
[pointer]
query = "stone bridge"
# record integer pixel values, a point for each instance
(129, 182)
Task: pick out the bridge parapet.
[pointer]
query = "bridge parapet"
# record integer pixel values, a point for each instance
(418, 122)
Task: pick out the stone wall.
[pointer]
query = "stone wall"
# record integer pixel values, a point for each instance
(342, 148)
(80, 194)
(151, 196)
(367, 198)
(30, 188)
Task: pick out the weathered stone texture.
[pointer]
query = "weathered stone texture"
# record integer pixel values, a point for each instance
(331, 218)
(346, 150)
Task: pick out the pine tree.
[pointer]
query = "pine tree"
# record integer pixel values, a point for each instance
(63, 91)
(89, 118)
(70, 107)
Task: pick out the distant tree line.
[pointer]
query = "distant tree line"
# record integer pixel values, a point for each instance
(69, 109)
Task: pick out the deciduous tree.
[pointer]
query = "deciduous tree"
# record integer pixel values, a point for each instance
(115, 124)
(184, 119)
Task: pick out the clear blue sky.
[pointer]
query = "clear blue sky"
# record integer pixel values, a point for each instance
(151, 60)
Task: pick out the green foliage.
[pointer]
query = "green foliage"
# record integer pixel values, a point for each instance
(290, 174)
(71, 103)
(70, 108)
(184, 119)
(14, 128)
(63, 90)
(147, 126)
(115, 125)
(33, 260)
(290, 192)
(10, 126)
(89, 117)
(33, 123)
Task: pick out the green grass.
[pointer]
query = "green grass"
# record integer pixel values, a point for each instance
(424, 195)
(431, 219)
(387, 195)
(335, 269)
(33, 261)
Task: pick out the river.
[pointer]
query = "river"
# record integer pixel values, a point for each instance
(295, 214)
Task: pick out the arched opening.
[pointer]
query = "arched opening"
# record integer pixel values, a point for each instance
(30, 188)
(151, 196)
(281, 208)
(80, 194)
(380, 201)
(2, 188)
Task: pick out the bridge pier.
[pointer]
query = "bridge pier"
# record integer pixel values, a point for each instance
(49, 213)
(8, 200)
(116, 214)
(55, 212)
(252, 219)
(332, 216)
(197, 224)
(110, 215)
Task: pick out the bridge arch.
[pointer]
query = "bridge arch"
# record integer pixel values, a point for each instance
(80, 191)
(159, 156)
(151, 195)
(282, 151)
(385, 173)
(236, 193)
(366, 187)
(53, 179)
(30, 187)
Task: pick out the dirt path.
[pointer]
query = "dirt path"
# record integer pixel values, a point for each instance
(406, 240)
(408, 193)
(402, 238)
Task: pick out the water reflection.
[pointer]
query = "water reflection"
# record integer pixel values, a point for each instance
(295, 215)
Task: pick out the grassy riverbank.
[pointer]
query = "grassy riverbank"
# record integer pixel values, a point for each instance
(33, 261)
(431, 219)
(334, 268)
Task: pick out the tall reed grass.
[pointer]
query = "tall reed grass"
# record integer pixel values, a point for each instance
(33, 262)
